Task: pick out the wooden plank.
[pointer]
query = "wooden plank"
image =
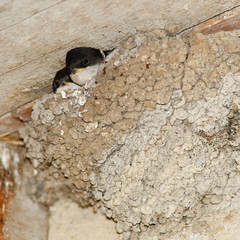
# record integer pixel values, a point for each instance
(33, 47)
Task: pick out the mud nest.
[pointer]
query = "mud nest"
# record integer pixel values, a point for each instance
(154, 144)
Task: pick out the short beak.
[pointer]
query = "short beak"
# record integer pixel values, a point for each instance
(78, 70)
(64, 84)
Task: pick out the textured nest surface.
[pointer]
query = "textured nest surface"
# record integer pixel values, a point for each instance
(155, 143)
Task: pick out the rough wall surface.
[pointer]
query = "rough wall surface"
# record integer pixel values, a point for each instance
(35, 35)
(20, 217)
(155, 143)
(74, 222)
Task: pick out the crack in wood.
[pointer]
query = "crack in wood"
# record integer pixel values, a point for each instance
(24, 19)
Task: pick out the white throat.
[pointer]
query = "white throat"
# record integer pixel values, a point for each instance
(84, 75)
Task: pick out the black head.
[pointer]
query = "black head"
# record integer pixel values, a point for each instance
(60, 79)
(82, 57)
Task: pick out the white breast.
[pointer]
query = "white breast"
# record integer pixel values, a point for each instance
(84, 75)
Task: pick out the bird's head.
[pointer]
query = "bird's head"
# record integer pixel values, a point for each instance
(61, 79)
(82, 57)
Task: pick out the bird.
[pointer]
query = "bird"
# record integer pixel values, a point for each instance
(82, 64)
(62, 81)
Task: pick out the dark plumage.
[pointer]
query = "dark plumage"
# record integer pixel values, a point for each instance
(82, 57)
(60, 79)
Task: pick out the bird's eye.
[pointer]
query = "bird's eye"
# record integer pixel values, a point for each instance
(85, 62)
(57, 84)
